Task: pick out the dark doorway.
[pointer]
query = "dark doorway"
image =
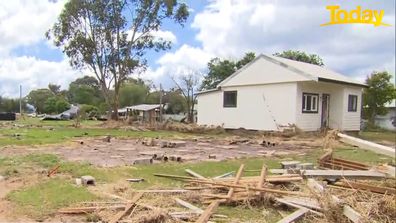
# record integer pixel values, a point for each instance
(325, 110)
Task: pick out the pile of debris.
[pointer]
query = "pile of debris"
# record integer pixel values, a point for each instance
(330, 194)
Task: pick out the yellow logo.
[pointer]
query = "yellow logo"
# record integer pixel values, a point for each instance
(356, 16)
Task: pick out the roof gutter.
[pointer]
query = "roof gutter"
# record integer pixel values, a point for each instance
(341, 82)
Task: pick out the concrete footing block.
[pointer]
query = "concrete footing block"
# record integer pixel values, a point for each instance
(88, 180)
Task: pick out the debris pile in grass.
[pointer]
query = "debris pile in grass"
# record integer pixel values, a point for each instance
(326, 195)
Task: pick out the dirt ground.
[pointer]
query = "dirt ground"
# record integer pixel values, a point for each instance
(119, 152)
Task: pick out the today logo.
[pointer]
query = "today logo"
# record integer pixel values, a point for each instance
(355, 16)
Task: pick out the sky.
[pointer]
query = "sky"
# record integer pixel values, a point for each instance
(216, 28)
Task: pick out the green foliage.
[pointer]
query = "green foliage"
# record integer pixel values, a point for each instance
(88, 111)
(38, 98)
(301, 56)
(11, 105)
(153, 98)
(55, 89)
(221, 69)
(133, 94)
(176, 103)
(56, 105)
(112, 37)
(85, 90)
(380, 91)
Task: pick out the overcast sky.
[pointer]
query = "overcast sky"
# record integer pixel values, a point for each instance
(222, 28)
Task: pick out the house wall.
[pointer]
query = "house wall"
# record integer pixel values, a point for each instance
(257, 107)
(351, 120)
(339, 117)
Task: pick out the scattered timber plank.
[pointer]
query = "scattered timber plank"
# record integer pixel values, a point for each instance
(173, 176)
(294, 216)
(208, 212)
(128, 207)
(250, 188)
(263, 175)
(353, 215)
(325, 156)
(361, 186)
(185, 204)
(194, 174)
(53, 170)
(283, 201)
(348, 211)
(363, 144)
(83, 210)
(343, 174)
(229, 174)
(304, 201)
(237, 178)
(162, 191)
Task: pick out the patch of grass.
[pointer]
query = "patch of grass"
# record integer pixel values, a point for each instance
(39, 136)
(363, 156)
(379, 136)
(45, 198)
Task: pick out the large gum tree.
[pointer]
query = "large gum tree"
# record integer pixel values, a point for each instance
(111, 37)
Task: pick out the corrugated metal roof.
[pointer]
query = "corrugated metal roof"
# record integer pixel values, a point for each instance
(143, 107)
(316, 71)
(307, 70)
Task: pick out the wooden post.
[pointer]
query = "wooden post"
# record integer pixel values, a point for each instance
(208, 212)
(128, 207)
(238, 176)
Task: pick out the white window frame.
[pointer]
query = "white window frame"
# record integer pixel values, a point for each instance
(314, 103)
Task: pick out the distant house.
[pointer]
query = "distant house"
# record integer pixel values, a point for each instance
(387, 121)
(271, 93)
(142, 112)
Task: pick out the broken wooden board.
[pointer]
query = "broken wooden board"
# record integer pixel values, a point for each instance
(367, 187)
(194, 174)
(294, 216)
(185, 204)
(363, 144)
(208, 212)
(229, 174)
(128, 207)
(336, 174)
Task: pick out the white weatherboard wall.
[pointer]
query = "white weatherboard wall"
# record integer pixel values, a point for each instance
(257, 107)
(351, 120)
(339, 117)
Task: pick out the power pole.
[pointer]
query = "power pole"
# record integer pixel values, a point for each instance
(160, 103)
(20, 100)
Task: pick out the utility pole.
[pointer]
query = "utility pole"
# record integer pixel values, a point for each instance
(160, 103)
(20, 100)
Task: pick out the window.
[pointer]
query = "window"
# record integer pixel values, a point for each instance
(310, 103)
(352, 103)
(230, 99)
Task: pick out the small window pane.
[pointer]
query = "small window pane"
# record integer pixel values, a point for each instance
(230, 99)
(352, 103)
(310, 103)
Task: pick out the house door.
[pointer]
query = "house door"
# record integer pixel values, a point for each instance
(325, 110)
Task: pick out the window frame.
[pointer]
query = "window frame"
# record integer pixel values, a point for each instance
(313, 95)
(352, 107)
(224, 99)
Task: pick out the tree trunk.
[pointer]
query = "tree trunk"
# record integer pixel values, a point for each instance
(115, 103)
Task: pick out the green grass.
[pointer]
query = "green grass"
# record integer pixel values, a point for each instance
(45, 198)
(39, 136)
(379, 136)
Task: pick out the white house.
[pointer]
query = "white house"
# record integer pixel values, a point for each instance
(271, 92)
(387, 121)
